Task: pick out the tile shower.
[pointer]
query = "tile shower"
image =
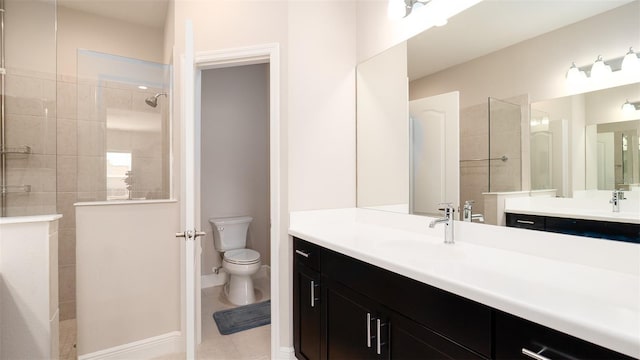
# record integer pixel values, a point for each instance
(488, 132)
(59, 129)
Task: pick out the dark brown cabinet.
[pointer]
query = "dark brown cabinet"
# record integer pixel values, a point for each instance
(345, 308)
(517, 338)
(609, 230)
(306, 302)
(366, 312)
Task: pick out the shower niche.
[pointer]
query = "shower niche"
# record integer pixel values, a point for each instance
(123, 128)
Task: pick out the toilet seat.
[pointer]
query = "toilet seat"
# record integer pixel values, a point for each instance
(242, 257)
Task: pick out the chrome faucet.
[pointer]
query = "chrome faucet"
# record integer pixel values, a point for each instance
(615, 199)
(447, 220)
(467, 212)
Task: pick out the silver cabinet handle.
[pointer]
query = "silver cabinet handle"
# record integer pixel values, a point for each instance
(534, 355)
(368, 330)
(378, 336)
(300, 252)
(525, 222)
(378, 341)
(313, 293)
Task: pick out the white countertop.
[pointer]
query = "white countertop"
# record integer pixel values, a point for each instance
(592, 205)
(588, 288)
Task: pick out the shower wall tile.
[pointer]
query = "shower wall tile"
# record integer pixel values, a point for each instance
(24, 95)
(147, 144)
(67, 100)
(67, 310)
(49, 98)
(66, 247)
(91, 174)
(117, 98)
(67, 173)
(87, 99)
(67, 143)
(91, 138)
(118, 140)
(35, 170)
(67, 283)
(35, 131)
(66, 208)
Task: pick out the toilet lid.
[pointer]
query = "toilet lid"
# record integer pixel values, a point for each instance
(242, 256)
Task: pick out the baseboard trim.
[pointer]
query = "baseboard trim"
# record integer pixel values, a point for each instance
(286, 353)
(164, 344)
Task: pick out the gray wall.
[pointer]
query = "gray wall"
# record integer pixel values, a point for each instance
(235, 154)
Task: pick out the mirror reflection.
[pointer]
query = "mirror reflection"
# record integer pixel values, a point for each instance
(509, 141)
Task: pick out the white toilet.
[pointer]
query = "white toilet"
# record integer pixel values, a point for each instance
(230, 238)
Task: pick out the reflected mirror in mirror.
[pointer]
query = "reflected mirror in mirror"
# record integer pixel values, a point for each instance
(541, 153)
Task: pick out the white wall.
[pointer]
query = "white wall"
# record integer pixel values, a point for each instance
(235, 155)
(128, 274)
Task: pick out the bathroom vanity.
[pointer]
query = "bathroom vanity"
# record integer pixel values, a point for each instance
(588, 214)
(375, 285)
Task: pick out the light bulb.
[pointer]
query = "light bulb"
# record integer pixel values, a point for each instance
(631, 63)
(628, 108)
(545, 120)
(575, 75)
(396, 9)
(599, 69)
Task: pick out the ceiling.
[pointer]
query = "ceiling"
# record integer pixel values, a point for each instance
(150, 13)
(492, 25)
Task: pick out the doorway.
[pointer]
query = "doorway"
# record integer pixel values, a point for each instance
(234, 178)
(267, 57)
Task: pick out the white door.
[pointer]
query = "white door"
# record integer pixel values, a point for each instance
(188, 203)
(434, 153)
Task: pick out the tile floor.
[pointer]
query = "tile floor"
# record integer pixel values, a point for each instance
(253, 344)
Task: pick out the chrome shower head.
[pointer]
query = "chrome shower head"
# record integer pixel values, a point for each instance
(153, 100)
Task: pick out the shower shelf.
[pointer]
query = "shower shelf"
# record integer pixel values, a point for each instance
(5, 189)
(25, 149)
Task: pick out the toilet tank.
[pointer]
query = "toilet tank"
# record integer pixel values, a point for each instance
(230, 233)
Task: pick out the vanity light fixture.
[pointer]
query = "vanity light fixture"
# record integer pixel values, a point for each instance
(398, 9)
(630, 62)
(630, 107)
(575, 74)
(601, 68)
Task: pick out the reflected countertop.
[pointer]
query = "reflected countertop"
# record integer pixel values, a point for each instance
(588, 205)
(593, 293)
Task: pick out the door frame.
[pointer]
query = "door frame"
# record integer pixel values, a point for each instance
(258, 54)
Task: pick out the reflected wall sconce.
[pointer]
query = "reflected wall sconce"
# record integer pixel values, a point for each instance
(601, 69)
(398, 9)
(630, 107)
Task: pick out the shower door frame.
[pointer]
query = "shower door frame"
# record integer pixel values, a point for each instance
(206, 60)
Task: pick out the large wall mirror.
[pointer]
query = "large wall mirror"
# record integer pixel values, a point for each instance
(482, 106)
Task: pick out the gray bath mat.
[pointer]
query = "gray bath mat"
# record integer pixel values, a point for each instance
(243, 318)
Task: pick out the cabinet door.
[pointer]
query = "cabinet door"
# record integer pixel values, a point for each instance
(354, 328)
(307, 313)
(411, 341)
